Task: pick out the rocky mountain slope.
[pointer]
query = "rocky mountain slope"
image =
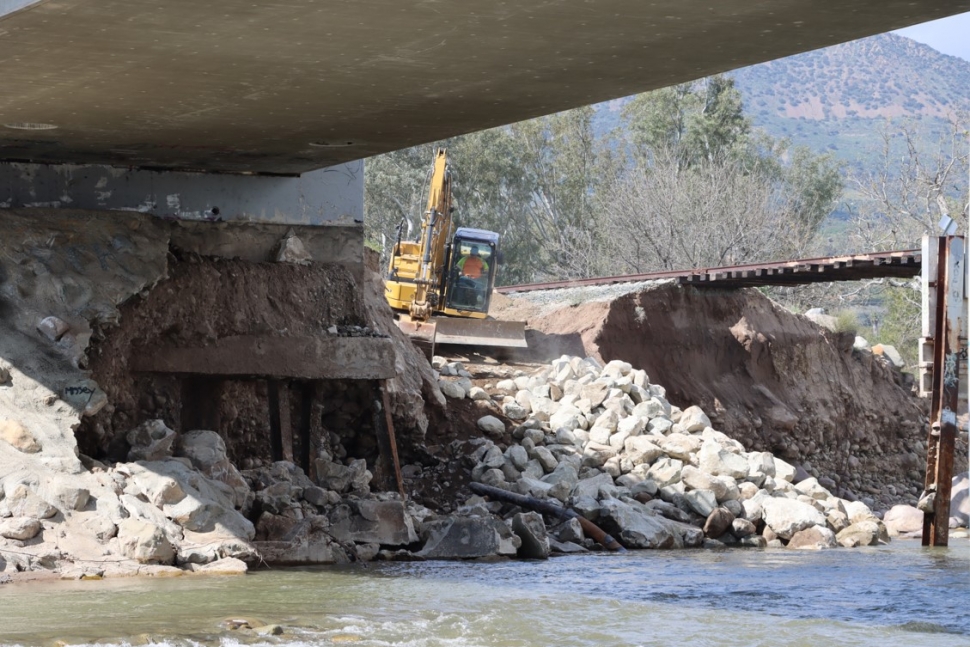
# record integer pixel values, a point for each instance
(839, 99)
(883, 76)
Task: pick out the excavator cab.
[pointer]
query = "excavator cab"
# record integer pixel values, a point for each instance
(473, 261)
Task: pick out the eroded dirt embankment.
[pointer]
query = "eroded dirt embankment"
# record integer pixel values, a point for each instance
(771, 379)
(202, 301)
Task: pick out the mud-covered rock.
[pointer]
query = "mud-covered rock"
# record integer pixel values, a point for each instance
(16, 435)
(960, 501)
(150, 441)
(813, 538)
(21, 501)
(902, 520)
(53, 328)
(65, 492)
(693, 419)
(305, 542)
(292, 250)
(491, 425)
(868, 532)
(718, 522)
(787, 516)
(207, 452)
(452, 389)
(386, 523)
(343, 478)
(20, 528)
(206, 505)
(634, 527)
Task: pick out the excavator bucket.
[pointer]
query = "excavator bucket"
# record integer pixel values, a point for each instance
(422, 333)
(480, 332)
(463, 332)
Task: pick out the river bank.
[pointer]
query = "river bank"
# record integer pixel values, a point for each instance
(122, 454)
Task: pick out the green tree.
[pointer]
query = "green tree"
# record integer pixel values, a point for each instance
(696, 121)
(490, 192)
(685, 182)
(395, 194)
(559, 158)
(533, 183)
(900, 324)
(919, 177)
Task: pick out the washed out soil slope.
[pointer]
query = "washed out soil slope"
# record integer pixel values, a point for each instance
(771, 379)
(202, 301)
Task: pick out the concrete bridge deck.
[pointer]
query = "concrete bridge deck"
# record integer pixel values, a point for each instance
(296, 85)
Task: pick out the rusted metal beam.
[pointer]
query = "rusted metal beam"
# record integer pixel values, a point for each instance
(201, 403)
(286, 422)
(307, 426)
(275, 434)
(314, 358)
(950, 322)
(895, 264)
(391, 437)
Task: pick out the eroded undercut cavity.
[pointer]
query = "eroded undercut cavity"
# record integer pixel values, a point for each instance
(179, 354)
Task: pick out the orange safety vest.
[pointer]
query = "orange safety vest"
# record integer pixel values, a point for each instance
(472, 266)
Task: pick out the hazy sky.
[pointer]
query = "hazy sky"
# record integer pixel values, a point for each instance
(948, 35)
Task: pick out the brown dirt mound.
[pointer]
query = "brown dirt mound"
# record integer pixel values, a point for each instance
(773, 380)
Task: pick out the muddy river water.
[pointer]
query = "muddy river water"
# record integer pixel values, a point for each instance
(896, 595)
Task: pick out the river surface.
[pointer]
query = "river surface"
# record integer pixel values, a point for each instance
(897, 595)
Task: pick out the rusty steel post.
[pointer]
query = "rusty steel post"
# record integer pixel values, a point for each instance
(275, 430)
(950, 322)
(391, 437)
(933, 438)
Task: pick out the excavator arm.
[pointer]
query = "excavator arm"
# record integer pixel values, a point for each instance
(435, 232)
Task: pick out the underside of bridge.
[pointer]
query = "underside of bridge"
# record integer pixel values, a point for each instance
(291, 86)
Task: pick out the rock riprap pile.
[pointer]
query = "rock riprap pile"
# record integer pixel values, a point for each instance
(179, 505)
(604, 441)
(769, 378)
(159, 513)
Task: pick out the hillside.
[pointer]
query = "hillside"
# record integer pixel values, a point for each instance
(839, 99)
(885, 76)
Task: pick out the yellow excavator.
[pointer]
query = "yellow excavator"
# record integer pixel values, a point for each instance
(441, 283)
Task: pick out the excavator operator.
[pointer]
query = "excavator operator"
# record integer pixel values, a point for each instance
(472, 265)
(474, 268)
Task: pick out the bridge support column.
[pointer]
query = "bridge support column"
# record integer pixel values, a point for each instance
(210, 214)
